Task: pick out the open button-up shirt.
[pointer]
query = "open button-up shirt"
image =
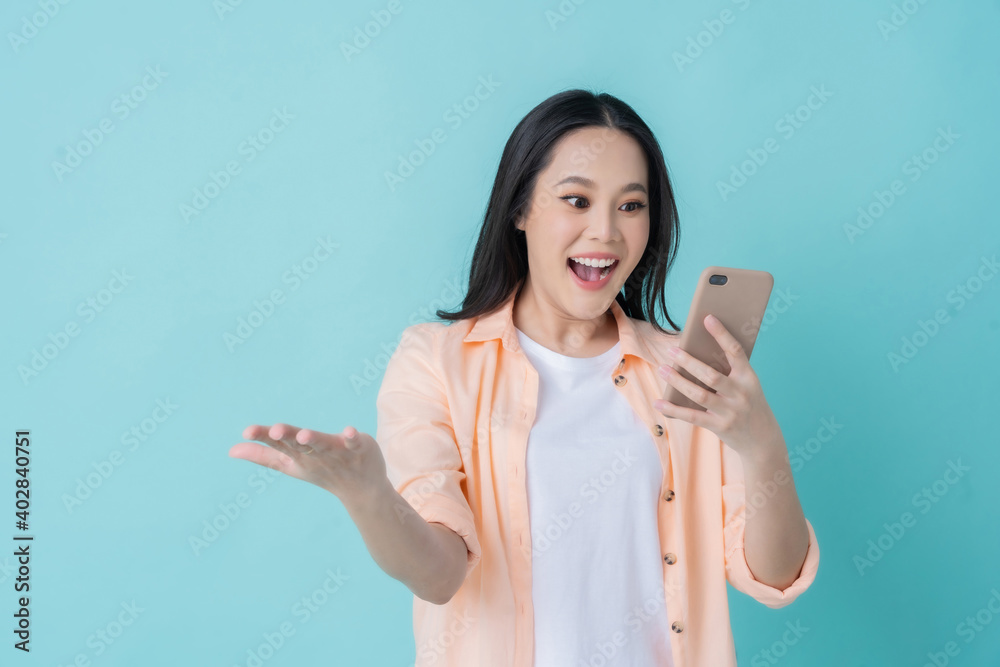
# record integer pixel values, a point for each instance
(455, 408)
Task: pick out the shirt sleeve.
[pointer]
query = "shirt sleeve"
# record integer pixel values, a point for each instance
(415, 434)
(734, 521)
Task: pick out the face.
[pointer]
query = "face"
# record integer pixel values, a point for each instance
(591, 201)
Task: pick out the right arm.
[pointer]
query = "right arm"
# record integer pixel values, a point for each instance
(430, 545)
(429, 558)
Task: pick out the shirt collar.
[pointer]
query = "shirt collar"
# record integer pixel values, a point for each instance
(500, 324)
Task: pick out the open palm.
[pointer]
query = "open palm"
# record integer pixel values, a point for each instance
(347, 464)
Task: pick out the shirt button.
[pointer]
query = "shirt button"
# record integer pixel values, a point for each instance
(658, 430)
(620, 380)
(669, 495)
(670, 558)
(677, 626)
(622, 364)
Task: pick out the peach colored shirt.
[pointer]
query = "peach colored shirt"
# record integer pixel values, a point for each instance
(455, 408)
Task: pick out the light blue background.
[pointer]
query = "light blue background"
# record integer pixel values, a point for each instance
(400, 255)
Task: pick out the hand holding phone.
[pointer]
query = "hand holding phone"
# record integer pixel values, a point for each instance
(738, 298)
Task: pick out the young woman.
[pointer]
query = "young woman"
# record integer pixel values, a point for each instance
(526, 481)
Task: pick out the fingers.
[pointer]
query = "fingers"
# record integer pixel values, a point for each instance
(261, 455)
(289, 439)
(350, 437)
(307, 438)
(308, 441)
(699, 395)
(294, 441)
(730, 346)
(263, 434)
(697, 368)
(674, 411)
(289, 450)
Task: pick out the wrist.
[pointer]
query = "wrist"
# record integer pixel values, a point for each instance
(367, 497)
(769, 456)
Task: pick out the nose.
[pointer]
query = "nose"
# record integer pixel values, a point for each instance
(603, 227)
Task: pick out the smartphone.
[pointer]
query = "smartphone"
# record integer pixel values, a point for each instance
(738, 298)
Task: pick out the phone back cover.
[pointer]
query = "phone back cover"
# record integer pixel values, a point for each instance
(739, 305)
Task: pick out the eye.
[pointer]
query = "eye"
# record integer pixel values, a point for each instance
(638, 206)
(568, 197)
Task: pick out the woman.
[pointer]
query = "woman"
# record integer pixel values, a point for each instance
(526, 481)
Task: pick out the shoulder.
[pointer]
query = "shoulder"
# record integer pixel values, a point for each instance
(439, 332)
(433, 340)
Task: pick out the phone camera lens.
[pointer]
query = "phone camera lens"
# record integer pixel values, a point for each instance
(717, 279)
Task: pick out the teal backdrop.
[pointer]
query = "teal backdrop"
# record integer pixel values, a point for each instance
(224, 213)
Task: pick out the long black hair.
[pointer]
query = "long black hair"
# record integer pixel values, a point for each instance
(500, 259)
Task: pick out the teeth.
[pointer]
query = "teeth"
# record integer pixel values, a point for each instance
(593, 262)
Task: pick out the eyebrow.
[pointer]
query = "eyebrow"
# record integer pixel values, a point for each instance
(630, 187)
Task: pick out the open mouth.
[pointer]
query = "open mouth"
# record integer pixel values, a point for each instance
(591, 274)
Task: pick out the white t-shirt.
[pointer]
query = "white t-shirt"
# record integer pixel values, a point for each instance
(593, 476)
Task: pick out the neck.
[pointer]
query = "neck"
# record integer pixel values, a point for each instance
(559, 331)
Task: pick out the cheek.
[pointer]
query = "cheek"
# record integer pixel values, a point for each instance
(637, 244)
(555, 240)
(640, 236)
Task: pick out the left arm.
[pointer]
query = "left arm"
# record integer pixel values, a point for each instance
(776, 537)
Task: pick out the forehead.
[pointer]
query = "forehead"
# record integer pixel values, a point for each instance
(598, 151)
